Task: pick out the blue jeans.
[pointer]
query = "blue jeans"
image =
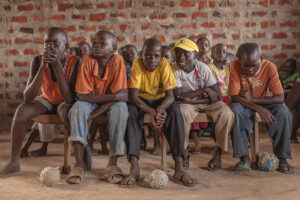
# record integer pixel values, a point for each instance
(279, 132)
(117, 116)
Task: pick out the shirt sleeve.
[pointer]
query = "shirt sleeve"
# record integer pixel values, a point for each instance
(176, 75)
(84, 84)
(119, 80)
(168, 78)
(234, 80)
(208, 76)
(136, 75)
(274, 81)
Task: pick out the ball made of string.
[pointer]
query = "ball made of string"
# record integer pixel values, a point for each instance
(268, 162)
(50, 176)
(157, 179)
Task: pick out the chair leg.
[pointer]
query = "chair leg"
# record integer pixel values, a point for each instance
(163, 152)
(254, 142)
(66, 168)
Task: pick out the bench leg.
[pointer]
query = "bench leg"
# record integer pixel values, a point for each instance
(66, 168)
(163, 152)
(254, 142)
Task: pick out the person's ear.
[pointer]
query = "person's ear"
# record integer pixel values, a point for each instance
(115, 47)
(67, 46)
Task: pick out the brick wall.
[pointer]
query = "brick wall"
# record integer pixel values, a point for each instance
(274, 24)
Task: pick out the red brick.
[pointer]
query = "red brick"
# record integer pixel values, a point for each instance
(160, 38)
(1, 96)
(81, 17)
(230, 4)
(158, 16)
(230, 24)
(288, 23)
(19, 19)
(19, 95)
(104, 5)
(5, 41)
(21, 41)
(267, 47)
(179, 15)
(148, 4)
(84, 6)
(188, 26)
(296, 55)
(259, 13)
(295, 12)
(264, 24)
(21, 64)
(107, 28)
(208, 25)
(58, 17)
(250, 24)
(26, 30)
(258, 35)
(230, 46)
(283, 2)
(118, 15)
(43, 29)
(27, 7)
(279, 35)
(64, 6)
(12, 105)
(38, 40)
(235, 36)
(211, 4)
(97, 17)
(288, 46)
(78, 39)
(11, 52)
(280, 56)
(187, 4)
(32, 52)
(218, 35)
(263, 3)
(3, 65)
(199, 14)
(167, 26)
(120, 38)
(202, 4)
(123, 27)
(7, 74)
(24, 74)
(172, 4)
(236, 14)
(69, 28)
(124, 4)
(87, 28)
(37, 18)
(296, 34)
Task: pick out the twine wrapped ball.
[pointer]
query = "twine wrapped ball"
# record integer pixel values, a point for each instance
(268, 162)
(157, 179)
(50, 176)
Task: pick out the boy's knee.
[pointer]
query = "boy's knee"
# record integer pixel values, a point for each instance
(22, 113)
(63, 110)
(78, 109)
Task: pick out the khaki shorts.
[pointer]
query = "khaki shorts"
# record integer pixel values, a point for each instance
(50, 107)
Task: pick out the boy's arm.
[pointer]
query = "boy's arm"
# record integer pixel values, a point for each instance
(35, 79)
(73, 77)
(265, 115)
(101, 109)
(53, 59)
(134, 98)
(121, 95)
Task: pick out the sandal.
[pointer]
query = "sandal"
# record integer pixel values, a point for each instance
(114, 175)
(76, 176)
(242, 166)
(180, 179)
(286, 168)
(214, 164)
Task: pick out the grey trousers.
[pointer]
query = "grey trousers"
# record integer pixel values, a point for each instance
(279, 132)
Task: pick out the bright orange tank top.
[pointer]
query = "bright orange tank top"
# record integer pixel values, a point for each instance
(50, 89)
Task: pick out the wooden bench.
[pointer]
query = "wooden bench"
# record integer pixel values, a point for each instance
(201, 117)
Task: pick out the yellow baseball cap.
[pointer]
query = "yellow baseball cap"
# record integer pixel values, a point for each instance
(185, 44)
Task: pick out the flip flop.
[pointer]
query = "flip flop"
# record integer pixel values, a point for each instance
(129, 178)
(180, 180)
(215, 168)
(240, 166)
(286, 168)
(76, 176)
(111, 175)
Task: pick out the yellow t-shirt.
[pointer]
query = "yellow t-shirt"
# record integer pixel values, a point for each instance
(152, 85)
(222, 77)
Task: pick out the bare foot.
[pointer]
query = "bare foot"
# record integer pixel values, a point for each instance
(134, 175)
(184, 178)
(24, 153)
(39, 152)
(87, 158)
(11, 167)
(197, 149)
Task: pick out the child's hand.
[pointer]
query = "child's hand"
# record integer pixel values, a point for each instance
(51, 55)
(246, 95)
(161, 115)
(81, 97)
(266, 116)
(212, 95)
(181, 99)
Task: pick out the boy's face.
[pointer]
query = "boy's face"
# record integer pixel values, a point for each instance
(152, 56)
(82, 50)
(184, 59)
(250, 64)
(168, 55)
(130, 53)
(56, 40)
(219, 53)
(203, 46)
(103, 46)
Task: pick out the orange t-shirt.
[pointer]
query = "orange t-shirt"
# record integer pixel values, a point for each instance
(114, 79)
(267, 80)
(50, 89)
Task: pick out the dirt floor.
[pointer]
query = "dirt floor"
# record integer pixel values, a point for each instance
(223, 184)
